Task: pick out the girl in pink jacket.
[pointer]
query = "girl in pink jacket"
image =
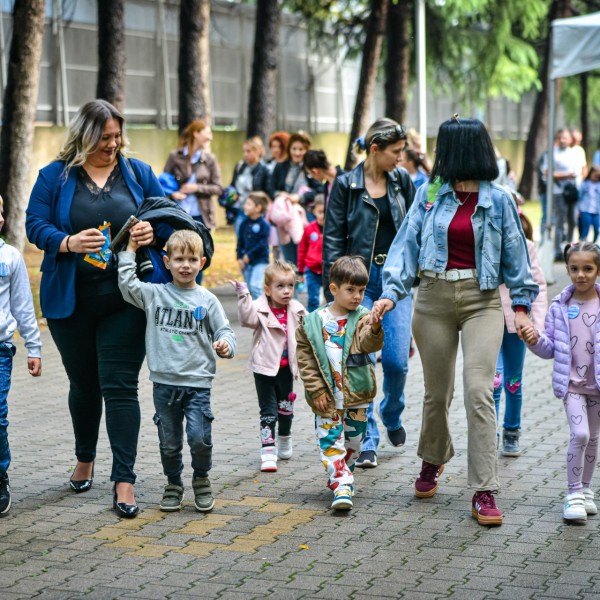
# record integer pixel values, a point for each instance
(572, 337)
(509, 369)
(274, 316)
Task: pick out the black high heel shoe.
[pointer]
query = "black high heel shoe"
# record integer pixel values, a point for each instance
(82, 485)
(127, 511)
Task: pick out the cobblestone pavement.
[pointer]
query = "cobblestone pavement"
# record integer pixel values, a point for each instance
(273, 535)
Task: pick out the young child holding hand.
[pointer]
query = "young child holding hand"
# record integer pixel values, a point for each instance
(572, 337)
(186, 325)
(333, 350)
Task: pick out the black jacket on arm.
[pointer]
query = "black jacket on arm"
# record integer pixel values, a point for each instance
(351, 219)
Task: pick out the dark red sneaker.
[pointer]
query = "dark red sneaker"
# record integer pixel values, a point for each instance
(426, 484)
(484, 509)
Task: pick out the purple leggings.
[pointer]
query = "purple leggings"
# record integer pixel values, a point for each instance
(583, 416)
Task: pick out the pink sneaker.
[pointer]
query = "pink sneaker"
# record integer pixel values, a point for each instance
(484, 509)
(426, 484)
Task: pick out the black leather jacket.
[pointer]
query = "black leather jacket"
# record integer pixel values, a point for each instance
(352, 218)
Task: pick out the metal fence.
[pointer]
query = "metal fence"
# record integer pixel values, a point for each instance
(314, 92)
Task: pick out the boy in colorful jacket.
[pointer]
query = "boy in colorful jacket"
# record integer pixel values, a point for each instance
(333, 347)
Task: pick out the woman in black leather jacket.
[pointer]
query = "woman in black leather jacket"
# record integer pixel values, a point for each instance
(365, 210)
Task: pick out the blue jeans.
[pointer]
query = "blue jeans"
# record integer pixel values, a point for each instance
(172, 404)
(510, 370)
(394, 360)
(587, 220)
(314, 283)
(7, 351)
(254, 276)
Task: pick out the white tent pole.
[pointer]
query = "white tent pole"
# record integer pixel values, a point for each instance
(421, 74)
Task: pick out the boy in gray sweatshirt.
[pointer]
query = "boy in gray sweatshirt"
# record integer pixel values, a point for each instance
(186, 326)
(16, 312)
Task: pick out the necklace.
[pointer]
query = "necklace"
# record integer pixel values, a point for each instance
(465, 200)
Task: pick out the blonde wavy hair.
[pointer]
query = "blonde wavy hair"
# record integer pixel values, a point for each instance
(85, 132)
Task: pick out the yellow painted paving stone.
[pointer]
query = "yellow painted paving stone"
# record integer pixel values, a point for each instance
(205, 526)
(244, 545)
(153, 551)
(131, 541)
(199, 548)
(265, 533)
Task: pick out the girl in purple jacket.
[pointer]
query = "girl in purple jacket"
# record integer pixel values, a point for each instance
(572, 337)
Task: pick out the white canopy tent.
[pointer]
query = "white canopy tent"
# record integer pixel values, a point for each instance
(574, 49)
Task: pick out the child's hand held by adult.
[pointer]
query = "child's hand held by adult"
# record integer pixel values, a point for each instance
(142, 233)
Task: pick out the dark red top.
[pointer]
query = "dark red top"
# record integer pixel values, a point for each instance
(281, 315)
(461, 239)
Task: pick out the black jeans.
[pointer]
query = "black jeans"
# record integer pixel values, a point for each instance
(276, 403)
(102, 349)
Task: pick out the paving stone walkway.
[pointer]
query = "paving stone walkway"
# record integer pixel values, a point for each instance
(273, 535)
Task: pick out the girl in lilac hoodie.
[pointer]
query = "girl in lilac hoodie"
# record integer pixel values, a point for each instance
(572, 337)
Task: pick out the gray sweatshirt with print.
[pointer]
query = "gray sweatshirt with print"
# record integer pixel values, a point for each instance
(16, 303)
(181, 326)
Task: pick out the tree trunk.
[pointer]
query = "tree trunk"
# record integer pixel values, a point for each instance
(194, 60)
(111, 52)
(584, 112)
(261, 104)
(397, 65)
(18, 115)
(536, 140)
(376, 25)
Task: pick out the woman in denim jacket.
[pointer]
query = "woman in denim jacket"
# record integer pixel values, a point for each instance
(463, 238)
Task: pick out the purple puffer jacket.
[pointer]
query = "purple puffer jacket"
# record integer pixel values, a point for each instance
(555, 341)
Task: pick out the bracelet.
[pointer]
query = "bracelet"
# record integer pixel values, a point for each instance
(68, 238)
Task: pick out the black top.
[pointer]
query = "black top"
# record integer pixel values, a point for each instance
(93, 206)
(386, 228)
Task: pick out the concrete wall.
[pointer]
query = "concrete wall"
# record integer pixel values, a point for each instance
(153, 145)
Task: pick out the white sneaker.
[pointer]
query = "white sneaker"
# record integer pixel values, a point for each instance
(574, 507)
(284, 447)
(342, 499)
(590, 505)
(268, 459)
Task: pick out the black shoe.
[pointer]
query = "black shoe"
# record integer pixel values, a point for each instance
(4, 495)
(367, 459)
(82, 485)
(127, 511)
(397, 437)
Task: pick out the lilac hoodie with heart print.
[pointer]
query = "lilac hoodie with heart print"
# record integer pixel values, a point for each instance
(555, 341)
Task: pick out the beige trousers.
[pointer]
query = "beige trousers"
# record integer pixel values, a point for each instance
(444, 313)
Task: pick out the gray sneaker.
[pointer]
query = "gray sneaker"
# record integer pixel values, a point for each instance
(203, 498)
(172, 498)
(510, 443)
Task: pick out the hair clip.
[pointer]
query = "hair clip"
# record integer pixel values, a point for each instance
(361, 143)
(455, 118)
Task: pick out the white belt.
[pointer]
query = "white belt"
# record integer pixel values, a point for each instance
(452, 274)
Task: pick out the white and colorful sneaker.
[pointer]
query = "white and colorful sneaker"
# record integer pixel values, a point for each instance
(268, 459)
(342, 499)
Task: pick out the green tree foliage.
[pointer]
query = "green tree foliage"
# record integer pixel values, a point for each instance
(477, 49)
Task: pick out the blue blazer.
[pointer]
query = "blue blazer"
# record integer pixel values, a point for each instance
(47, 223)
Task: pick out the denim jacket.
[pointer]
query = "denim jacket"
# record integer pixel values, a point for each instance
(500, 247)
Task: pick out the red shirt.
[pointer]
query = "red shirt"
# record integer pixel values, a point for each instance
(461, 239)
(310, 249)
(281, 315)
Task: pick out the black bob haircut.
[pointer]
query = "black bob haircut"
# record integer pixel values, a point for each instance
(464, 151)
